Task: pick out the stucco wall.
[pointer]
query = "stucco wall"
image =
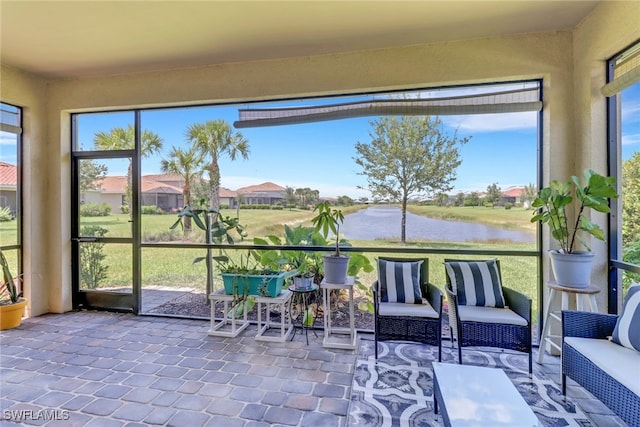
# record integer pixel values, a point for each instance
(568, 128)
(30, 93)
(608, 30)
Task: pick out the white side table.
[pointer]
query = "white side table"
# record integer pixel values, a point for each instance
(338, 337)
(284, 324)
(581, 294)
(227, 327)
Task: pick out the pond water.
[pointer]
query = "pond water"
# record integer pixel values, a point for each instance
(384, 223)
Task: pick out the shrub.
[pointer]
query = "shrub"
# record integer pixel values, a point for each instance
(150, 210)
(124, 209)
(95, 209)
(277, 207)
(5, 214)
(92, 268)
(508, 205)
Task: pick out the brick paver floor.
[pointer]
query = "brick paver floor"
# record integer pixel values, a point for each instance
(111, 369)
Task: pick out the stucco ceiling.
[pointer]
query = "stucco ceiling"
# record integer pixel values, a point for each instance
(72, 39)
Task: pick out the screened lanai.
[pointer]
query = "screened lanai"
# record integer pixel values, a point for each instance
(568, 55)
(73, 71)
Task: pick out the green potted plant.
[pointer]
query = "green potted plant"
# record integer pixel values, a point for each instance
(572, 267)
(326, 220)
(11, 302)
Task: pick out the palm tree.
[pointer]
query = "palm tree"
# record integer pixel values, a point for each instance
(216, 138)
(187, 164)
(125, 139)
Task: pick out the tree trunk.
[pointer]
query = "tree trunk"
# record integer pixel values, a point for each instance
(403, 231)
(214, 177)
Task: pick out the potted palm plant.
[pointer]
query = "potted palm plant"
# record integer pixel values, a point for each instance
(572, 267)
(11, 302)
(329, 220)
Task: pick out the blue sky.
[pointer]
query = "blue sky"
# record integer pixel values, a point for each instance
(320, 155)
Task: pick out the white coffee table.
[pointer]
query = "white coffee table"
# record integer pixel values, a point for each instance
(478, 396)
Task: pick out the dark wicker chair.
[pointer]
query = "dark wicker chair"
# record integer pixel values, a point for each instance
(426, 329)
(471, 332)
(624, 402)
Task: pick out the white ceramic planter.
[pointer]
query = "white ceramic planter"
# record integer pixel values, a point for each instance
(572, 270)
(335, 268)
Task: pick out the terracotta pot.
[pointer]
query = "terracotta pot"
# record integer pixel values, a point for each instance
(11, 314)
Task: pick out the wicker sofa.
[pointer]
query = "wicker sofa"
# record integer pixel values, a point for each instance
(609, 371)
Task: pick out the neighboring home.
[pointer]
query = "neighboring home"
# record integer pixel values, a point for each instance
(8, 186)
(155, 192)
(266, 193)
(228, 197)
(512, 195)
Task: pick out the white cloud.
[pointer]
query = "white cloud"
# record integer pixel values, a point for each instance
(493, 122)
(631, 111)
(631, 139)
(7, 138)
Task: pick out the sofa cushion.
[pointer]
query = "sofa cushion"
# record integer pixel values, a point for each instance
(471, 313)
(476, 282)
(627, 330)
(412, 310)
(621, 363)
(400, 281)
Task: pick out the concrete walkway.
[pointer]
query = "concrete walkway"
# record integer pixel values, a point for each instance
(110, 369)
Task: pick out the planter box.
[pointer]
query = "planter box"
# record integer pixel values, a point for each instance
(269, 285)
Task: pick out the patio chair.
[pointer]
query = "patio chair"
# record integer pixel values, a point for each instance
(483, 313)
(406, 306)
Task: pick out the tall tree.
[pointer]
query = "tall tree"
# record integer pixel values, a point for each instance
(631, 200)
(187, 164)
(407, 156)
(216, 138)
(125, 139)
(91, 175)
(494, 193)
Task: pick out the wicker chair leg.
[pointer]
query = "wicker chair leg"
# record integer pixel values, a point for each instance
(564, 385)
(530, 363)
(459, 353)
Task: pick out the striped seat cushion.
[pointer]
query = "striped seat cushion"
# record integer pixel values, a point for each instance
(627, 330)
(399, 281)
(476, 282)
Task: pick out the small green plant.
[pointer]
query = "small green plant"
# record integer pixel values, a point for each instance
(92, 269)
(552, 202)
(217, 228)
(326, 220)
(5, 214)
(10, 290)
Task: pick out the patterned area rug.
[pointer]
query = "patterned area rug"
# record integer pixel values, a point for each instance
(398, 390)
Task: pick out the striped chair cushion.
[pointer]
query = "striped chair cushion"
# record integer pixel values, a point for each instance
(399, 281)
(627, 330)
(476, 282)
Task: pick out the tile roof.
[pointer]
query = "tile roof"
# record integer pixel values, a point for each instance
(8, 174)
(117, 184)
(513, 191)
(265, 186)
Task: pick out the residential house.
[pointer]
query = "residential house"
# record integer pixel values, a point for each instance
(8, 185)
(266, 193)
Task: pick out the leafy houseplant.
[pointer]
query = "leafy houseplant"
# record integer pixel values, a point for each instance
(11, 302)
(552, 203)
(306, 264)
(328, 219)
